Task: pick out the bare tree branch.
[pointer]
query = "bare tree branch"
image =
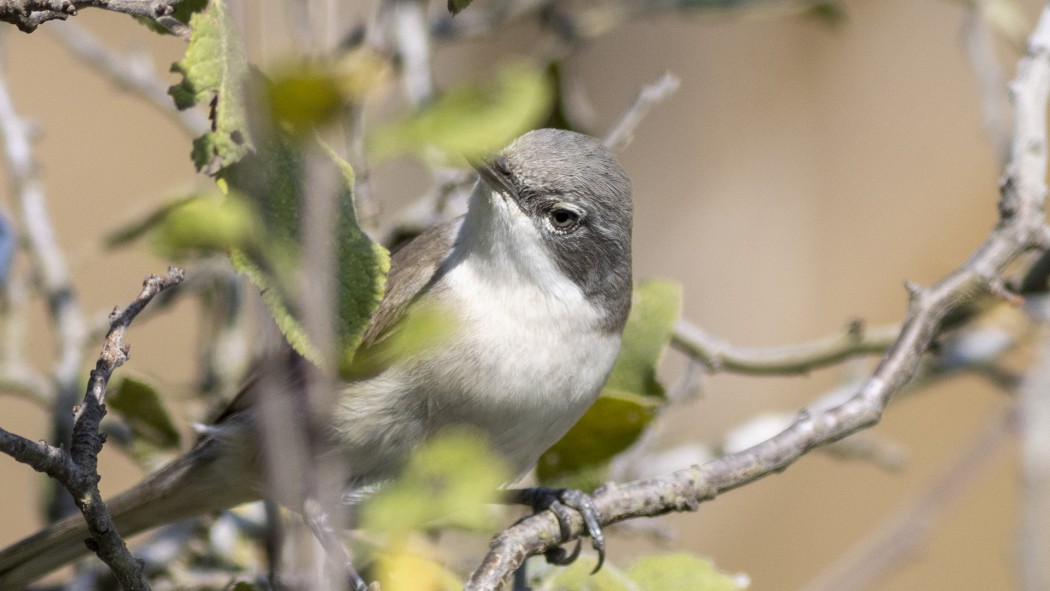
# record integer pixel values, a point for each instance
(718, 355)
(27, 15)
(622, 132)
(77, 469)
(1021, 228)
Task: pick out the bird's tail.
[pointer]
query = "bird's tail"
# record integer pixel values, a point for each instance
(186, 487)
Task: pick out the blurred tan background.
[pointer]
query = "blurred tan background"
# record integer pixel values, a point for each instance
(800, 174)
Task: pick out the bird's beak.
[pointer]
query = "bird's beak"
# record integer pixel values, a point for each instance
(494, 178)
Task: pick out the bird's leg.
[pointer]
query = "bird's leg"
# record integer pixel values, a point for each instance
(559, 501)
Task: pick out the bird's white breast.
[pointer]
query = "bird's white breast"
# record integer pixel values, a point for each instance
(537, 349)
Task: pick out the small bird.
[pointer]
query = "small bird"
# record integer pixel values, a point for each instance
(534, 284)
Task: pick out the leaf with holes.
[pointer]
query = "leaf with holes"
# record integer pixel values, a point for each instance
(213, 73)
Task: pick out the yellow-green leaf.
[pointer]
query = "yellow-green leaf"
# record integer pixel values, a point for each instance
(305, 95)
(615, 421)
(204, 223)
(655, 307)
(402, 567)
(577, 577)
(471, 120)
(679, 571)
(449, 481)
(672, 572)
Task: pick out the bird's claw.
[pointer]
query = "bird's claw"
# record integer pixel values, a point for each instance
(560, 557)
(559, 501)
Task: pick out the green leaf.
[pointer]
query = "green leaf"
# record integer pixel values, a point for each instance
(615, 421)
(142, 226)
(279, 304)
(577, 577)
(363, 267)
(202, 224)
(472, 121)
(139, 403)
(673, 572)
(304, 98)
(679, 571)
(213, 71)
(446, 482)
(271, 179)
(402, 567)
(629, 399)
(655, 307)
(303, 95)
(455, 6)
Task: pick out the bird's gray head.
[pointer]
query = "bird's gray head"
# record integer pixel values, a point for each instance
(568, 192)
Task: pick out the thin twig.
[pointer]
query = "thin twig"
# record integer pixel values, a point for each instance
(1021, 228)
(623, 131)
(77, 469)
(133, 73)
(720, 356)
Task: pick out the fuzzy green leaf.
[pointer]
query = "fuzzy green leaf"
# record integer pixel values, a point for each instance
(278, 302)
(271, 179)
(213, 71)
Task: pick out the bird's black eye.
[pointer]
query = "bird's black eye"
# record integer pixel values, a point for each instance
(563, 219)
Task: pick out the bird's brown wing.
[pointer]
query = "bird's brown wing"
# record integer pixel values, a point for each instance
(412, 268)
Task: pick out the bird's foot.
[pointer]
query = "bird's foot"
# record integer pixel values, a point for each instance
(559, 501)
